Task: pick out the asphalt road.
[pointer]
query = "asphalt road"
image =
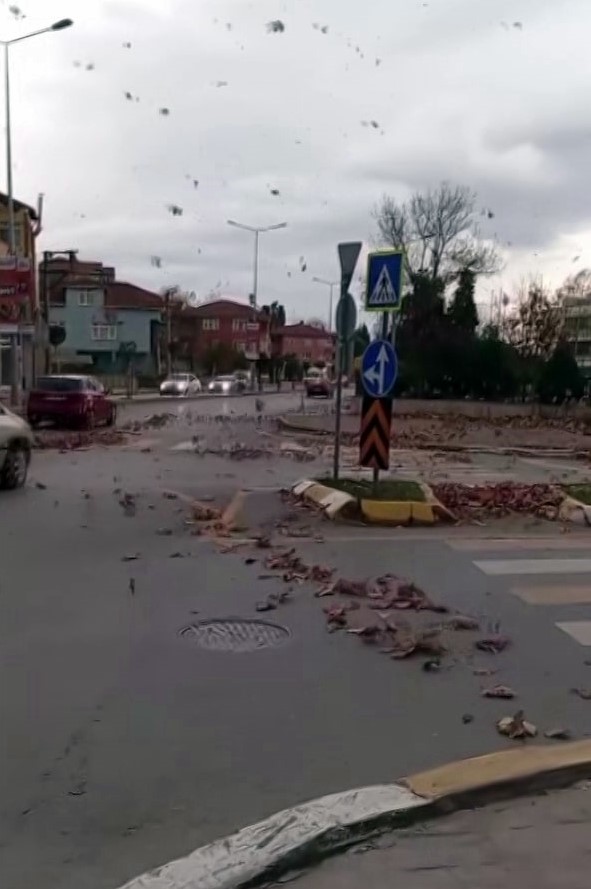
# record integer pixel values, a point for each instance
(536, 841)
(125, 744)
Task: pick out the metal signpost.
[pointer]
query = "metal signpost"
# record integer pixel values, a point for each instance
(379, 364)
(346, 320)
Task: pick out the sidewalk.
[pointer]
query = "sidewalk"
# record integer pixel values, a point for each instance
(534, 841)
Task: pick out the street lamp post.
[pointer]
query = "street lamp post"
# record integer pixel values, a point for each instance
(330, 284)
(16, 345)
(256, 231)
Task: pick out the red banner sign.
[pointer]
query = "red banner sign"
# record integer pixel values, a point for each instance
(16, 289)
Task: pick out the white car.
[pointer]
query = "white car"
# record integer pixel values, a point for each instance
(181, 385)
(16, 441)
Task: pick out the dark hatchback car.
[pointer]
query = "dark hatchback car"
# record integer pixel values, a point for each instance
(69, 400)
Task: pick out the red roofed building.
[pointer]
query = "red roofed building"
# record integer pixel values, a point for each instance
(309, 344)
(237, 326)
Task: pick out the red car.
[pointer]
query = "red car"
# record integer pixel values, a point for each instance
(70, 400)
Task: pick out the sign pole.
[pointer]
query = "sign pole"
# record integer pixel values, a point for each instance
(376, 471)
(348, 256)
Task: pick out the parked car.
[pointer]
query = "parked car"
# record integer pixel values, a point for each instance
(16, 440)
(181, 385)
(243, 379)
(70, 400)
(226, 385)
(318, 385)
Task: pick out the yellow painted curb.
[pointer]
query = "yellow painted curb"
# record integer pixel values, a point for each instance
(503, 768)
(397, 512)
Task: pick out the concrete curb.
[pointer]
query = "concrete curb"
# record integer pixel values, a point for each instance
(575, 511)
(339, 505)
(308, 833)
(334, 504)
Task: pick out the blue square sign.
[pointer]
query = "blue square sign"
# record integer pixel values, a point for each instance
(384, 281)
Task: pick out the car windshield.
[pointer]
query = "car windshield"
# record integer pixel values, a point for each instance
(223, 379)
(60, 384)
(179, 378)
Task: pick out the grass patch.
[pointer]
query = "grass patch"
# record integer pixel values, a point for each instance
(580, 492)
(388, 489)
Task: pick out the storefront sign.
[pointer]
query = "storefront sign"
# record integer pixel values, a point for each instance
(16, 289)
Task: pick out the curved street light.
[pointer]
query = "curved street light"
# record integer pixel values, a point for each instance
(60, 25)
(332, 285)
(256, 232)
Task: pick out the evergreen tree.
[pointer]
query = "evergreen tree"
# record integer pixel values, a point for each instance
(462, 310)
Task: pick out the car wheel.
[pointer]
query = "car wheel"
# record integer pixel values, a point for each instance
(33, 421)
(89, 420)
(16, 465)
(112, 416)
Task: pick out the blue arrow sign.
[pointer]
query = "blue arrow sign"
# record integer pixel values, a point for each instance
(384, 281)
(379, 369)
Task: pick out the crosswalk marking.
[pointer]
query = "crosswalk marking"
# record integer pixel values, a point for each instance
(534, 566)
(579, 630)
(554, 594)
(499, 544)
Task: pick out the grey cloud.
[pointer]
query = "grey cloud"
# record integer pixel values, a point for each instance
(457, 97)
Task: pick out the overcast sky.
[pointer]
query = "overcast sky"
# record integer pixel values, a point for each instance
(493, 94)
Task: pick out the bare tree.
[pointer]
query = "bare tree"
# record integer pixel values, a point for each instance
(576, 286)
(438, 231)
(536, 324)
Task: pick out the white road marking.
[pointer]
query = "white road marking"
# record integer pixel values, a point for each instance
(579, 630)
(534, 566)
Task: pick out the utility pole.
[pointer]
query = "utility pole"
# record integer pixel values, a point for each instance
(14, 247)
(168, 317)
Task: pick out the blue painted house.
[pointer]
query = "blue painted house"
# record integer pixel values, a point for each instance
(103, 319)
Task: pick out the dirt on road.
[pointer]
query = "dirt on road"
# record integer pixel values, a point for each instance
(455, 431)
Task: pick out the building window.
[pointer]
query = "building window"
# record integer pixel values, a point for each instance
(18, 235)
(104, 332)
(86, 297)
(238, 324)
(210, 324)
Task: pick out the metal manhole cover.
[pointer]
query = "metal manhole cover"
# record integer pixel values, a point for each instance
(235, 634)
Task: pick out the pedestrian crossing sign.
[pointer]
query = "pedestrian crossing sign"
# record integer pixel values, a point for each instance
(384, 281)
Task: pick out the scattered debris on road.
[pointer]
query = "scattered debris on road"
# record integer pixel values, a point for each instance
(499, 691)
(499, 500)
(559, 734)
(493, 644)
(516, 727)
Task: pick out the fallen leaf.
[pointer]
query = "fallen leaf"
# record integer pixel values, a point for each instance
(558, 734)
(584, 693)
(132, 585)
(176, 555)
(467, 718)
(460, 622)
(516, 727)
(493, 644)
(275, 27)
(164, 532)
(499, 691)
(133, 557)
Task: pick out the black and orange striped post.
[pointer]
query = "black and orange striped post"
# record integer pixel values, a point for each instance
(374, 437)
